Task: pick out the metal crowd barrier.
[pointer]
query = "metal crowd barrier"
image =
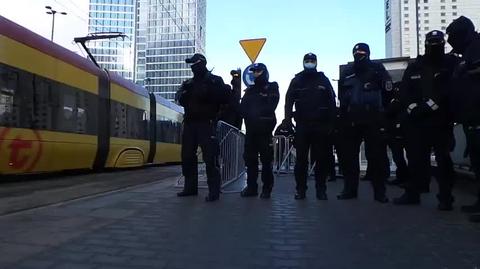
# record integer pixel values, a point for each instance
(284, 154)
(230, 159)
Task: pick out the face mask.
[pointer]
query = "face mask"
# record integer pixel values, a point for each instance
(456, 43)
(436, 51)
(257, 74)
(358, 58)
(198, 68)
(309, 65)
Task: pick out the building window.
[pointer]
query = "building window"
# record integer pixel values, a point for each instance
(425, 1)
(406, 29)
(442, 7)
(454, 1)
(426, 28)
(442, 14)
(442, 1)
(405, 8)
(454, 14)
(454, 7)
(425, 21)
(426, 15)
(425, 7)
(406, 15)
(407, 22)
(444, 21)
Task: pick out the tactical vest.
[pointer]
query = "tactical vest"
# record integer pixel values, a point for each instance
(313, 100)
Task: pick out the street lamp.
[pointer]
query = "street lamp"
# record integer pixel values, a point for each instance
(52, 12)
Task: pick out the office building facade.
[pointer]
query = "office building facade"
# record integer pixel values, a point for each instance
(408, 21)
(165, 32)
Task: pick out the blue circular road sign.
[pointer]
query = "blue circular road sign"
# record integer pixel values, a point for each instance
(247, 76)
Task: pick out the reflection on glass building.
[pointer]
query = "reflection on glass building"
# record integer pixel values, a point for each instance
(165, 33)
(113, 16)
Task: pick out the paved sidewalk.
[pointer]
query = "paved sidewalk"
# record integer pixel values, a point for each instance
(149, 227)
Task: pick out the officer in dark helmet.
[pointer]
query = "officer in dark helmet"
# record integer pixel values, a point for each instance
(466, 95)
(363, 88)
(314, 99)
(201, 98)
(257, 108)
(428, 125)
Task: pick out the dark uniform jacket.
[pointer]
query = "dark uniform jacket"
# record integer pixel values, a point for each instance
(364, 94)
(313, 97)
(465, 96)
(202, 98)
(424, 92)
(258, 107)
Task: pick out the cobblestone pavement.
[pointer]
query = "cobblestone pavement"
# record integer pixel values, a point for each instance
(149, 227)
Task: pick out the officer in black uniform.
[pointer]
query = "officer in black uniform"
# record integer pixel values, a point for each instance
(257, 108)
(396, 137)
(201, 98)
(428, 125)
(314, 99)
(362, 92)
(466, 95)
(231, 112)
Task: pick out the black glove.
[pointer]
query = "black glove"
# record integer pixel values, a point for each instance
(418, 111)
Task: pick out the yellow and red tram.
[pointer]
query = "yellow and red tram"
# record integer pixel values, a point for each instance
(58, 111)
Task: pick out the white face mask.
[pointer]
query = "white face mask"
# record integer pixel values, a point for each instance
(309, 65)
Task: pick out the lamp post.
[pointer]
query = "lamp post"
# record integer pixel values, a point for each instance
(52, 12)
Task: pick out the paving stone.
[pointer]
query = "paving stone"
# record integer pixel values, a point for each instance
(159, 230)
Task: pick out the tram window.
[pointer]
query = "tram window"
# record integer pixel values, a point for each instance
(44, 104)
(8, 86)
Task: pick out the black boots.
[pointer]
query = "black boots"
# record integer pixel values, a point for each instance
(407, 198)
(381, 198)
(344, 195)
(185, 193)
(300, 195)
(321, 195)
(266, 192)
(475, 208)
(249, 192)
(212, 197)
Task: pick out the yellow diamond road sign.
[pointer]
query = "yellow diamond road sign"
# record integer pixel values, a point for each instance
(253, 47)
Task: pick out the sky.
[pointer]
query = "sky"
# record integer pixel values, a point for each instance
(327, 28)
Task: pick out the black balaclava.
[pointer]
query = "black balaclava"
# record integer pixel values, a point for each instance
(361, 55)
(198, 64)
(310, 63)
(262, 79)
(435, 46)
(460, 33)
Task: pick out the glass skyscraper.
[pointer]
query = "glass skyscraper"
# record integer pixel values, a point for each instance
(113, 16)
(165, 33)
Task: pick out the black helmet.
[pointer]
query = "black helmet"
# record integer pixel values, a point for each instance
(259, 67)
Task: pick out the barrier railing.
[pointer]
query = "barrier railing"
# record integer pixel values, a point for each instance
(231, 143)
(284, 154)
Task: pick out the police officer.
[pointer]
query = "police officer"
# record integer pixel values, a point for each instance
(314, 99)
(201, 98)
(396, 137)
(428, 125)
(363, 88)
(466, 96)
(231, 112)
(257, 108)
